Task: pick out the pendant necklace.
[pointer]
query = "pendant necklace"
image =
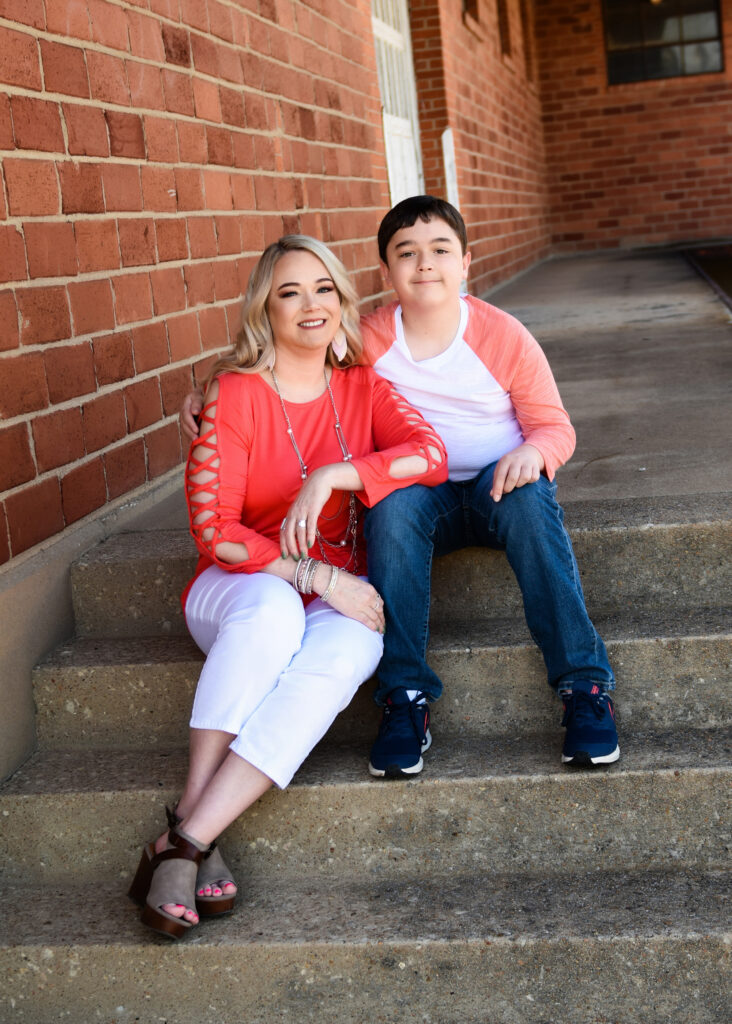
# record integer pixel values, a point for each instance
(351, 528)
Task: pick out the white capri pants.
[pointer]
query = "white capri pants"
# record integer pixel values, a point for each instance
(276, 673)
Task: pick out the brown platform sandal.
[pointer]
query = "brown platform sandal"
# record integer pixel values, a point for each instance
(167, 877)
(212, 870)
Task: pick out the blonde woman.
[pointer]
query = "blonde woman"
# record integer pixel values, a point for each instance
(295, 439)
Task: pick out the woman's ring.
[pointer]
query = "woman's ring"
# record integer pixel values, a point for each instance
(284, 524)
(302, 523)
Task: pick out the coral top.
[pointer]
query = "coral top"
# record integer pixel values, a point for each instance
(491, 389)
(243, 442)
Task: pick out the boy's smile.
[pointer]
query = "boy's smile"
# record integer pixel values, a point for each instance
(425, 263)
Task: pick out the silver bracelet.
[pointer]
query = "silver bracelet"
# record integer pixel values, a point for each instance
(299, 579)
(325, 596)
(310, 575)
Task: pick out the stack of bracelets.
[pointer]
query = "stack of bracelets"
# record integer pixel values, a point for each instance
(305, 574)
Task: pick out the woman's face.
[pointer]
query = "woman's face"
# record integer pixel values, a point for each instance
(304, 306)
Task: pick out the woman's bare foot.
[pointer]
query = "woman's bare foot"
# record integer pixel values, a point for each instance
(175, 909)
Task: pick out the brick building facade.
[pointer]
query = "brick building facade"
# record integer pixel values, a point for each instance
(151, 148)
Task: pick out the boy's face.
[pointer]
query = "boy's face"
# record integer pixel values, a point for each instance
(425, 264)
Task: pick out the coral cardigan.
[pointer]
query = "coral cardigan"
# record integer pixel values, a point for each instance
(244, 443)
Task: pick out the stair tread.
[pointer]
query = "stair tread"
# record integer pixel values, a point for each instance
(465, 759)
(601, 905)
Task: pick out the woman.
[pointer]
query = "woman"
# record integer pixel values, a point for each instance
(279, 603)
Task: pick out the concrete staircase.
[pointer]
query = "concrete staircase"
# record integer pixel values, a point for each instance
(498, 888)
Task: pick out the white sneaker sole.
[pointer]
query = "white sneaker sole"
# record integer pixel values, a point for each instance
(379, 773)
(602, 759)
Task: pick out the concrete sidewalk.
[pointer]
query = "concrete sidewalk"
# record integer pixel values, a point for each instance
(641, 348)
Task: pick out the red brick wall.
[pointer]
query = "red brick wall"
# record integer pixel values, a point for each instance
(643, 163)
(491, 102)
(149, 150)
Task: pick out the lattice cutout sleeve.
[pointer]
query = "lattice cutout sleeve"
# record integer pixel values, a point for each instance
(398, 430)
(216, 489)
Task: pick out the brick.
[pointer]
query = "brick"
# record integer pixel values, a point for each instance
(232, 107)
(137, 242)
(133, 298)
(68, 18)
(108, 25)
(158, 189)
(86, 130)
(12, 254)
(9, 332)
(220, 146)
(64, 69)
(122, 188)
(92, 306)
(83, 490)
(189, 188)
(146, 86)
(143, 404)
(126, 137)
(163, 448)
(37, 124)
(226, 280)
(228, 235)
(32, 186)
(44, 315)
(81, 187)
(214, 328)
(34, 514)
(217, 189)
(206, 99)
(69, 371)
(178, 93)
(161, 139)
(177, 45)
(19, 59)
(192, 142)
(195, 14)
(97, 245)
(146, 39)
(104, 421)
(112, 358)
(26, 12)
(202, 237)
(174, 386)
(252, 234)
(24, 387)
(125, 468)
(184, 338)
(51, 249)
(242, 187)
(169, 291)
(205, 52)
(6, 124)
(172, 240)
(150, 347)
(16, 460)
(244, 156)
(108, 78)
(221, 21)
(58, 439)
(199, 283)
(4, 535)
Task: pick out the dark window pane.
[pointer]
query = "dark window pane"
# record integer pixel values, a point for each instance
(663, 62)
(660, 27)
(623, 29)
(625, 66)
(701, 58)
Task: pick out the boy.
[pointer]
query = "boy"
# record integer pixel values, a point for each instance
(477, 375)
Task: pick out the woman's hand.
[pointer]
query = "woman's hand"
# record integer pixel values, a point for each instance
(352, 597)
(521, 466)
(192, 405)
(297, 534)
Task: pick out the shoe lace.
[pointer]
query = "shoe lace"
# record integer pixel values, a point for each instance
(581, 702)
(394, 717)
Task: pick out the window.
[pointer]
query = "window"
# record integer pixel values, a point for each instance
(647, 39)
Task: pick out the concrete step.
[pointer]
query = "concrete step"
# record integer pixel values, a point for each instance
(452, 948)
(493, 804)
(671, 673)
(654, 554)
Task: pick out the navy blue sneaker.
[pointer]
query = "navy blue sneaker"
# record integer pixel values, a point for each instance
(404, 735)
(589, 718)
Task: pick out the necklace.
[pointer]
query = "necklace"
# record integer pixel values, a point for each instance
(351, 528)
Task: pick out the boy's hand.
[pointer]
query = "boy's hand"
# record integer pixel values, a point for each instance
(192, 405)
(521, 466)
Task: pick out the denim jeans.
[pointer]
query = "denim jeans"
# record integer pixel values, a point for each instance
(406, 529)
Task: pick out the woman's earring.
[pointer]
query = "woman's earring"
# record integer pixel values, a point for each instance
(270, 360)
(339, 344)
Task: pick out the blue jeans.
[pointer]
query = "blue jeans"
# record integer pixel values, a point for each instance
(405, 530)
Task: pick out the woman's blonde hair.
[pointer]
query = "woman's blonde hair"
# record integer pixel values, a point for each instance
(253, 349)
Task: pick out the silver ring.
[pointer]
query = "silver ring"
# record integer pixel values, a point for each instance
(284, 524)
(302, 522)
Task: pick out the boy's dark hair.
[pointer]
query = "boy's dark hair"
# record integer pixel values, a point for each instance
(425, 208)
